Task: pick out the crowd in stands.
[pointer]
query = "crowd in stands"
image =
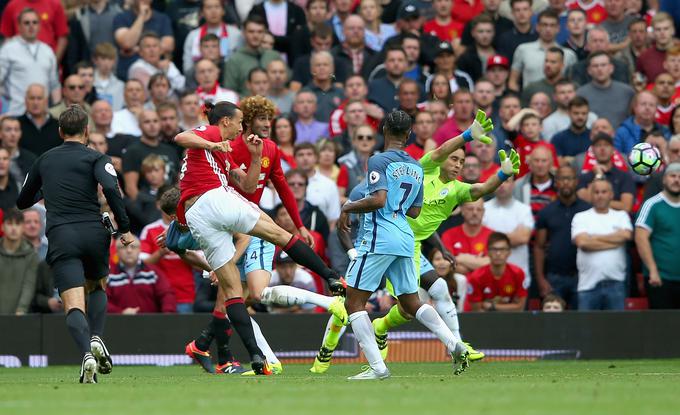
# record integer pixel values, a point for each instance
(572, 85)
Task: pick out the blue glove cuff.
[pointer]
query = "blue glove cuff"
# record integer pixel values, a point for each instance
(467, 135)
(502, 176)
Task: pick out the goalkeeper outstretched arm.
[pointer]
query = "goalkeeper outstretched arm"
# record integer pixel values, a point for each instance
(509, 167)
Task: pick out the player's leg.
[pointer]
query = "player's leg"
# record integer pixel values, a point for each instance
(74, 307)
(96, 315)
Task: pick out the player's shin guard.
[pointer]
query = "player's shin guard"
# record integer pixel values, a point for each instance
(96, 311)
(263, 344)
(392, 319)
(363, 330)
(430, 319)
(79, 329)
(439, 291)
(303, 254)
(238, 315)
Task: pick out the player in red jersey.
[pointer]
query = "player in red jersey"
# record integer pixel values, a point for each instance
(214, 211)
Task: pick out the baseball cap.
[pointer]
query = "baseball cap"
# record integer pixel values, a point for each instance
(283, 258)
(444, 47)
(408, 11)
(603, 137)
(497, 60)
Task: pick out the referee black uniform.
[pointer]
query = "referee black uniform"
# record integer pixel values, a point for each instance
(67, 177)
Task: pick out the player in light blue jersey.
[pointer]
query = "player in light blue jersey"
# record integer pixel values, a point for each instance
(394, 192)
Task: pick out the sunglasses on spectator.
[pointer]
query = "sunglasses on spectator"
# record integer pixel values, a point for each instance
(73, 87)
(364, 137)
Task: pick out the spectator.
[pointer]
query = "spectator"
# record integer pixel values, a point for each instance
(598, 41)
(355, 89)
(595, 11)
(142, 209)
(283, 219)
(278, 93)
(423, 128)
(354, 115)
(9, 188)
(664, 90)
(376, 32)
(287, 272)
(258, 82)
(540, 103)
(654, 185)
(408, 94)
(149, 143)
(637, 43)
(10, 136)
(442, 25)
(498, 286)
(553, 303)
(498, 72)
(537, 187)
(521, 32)
(529, 138)
(18, 264)
(472, 169)
(312, 217)
(356, 161)
(620, 182)
(576, 139)
(650, 62)
(321, 191)
(102, 117)
(327, 166)
(352, 56)
(169, 118)
(328, 96)
(410, 20)
(473, 60)
(25, 60)
(249, 56)
(508, 108)
(383, 91)
(85, 70)
(463, 115)
(559, 120)
(440, 112)
(39, 131)
(468, 242)
(484, 97)
(96, 21)
(656, 238)
(505, 214)
(343, 9)
(485, 154)
(587, 161)
(46, 300)
(73, 93)
(641, 122)
(284, 135)
(577, 29)
(158, 89)
(554, 254)
(553, 66)
(307, 128)
(136, 288)
(321, 39)
(52, 24)
(125, 120)
(445, 63)
(229, 37)
(502, 24)
(616, 24)
(611, 98)
(209, 90)
(440, 90)
(209, 48)
(457, 283)
(528, 59)
(109, 87)
(97, 142)
(283, 19)
(189, 107)
(600, 234)
(34, 232)
(131, 24)
(152, 61)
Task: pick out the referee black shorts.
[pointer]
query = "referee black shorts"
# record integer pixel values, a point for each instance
(76, 252)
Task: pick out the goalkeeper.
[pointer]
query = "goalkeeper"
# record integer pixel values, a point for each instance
(442, 193)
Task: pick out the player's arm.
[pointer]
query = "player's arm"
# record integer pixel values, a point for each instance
(589, 243)
(480, 126)
(436, 241)
(195, 259)
(30, 193)
(189, 139)
(644, 248)
(370, 203)
(248, 181)
(106, 176)
(509, 167)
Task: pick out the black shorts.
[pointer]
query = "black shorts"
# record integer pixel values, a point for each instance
(76, 252)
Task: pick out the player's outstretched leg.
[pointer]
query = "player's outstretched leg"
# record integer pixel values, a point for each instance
(285, 295)
(334, 330)
(96, 315)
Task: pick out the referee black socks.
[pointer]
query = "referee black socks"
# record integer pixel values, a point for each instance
(238, 315)
(96, 311)
(79, 329)
(304, 255)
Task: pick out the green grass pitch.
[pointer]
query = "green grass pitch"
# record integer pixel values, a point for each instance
(618, 387)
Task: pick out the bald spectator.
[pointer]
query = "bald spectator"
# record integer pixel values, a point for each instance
(131, 24)
(249, 56)
(641, 122)
(328, 96)
(39, 130)
(73, 93)
(10, 136)
(537, 188)
(109, 87)
(597, 40)
(352, 56)
(152, 61)
(308, 128)
(621, 181)
(53, 24)
(25, 60)
(540, 103)
(149, 143)
(650, 62)
(279, 93)
(125, 120)
(102, 117)
(611, 98)
(553, 67)
(558, 120)
(209, 90)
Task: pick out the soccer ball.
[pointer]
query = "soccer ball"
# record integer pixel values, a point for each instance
(644, 159)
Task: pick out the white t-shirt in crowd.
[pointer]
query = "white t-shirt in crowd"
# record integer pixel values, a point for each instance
(506, 218)
(323, 192)
(596, 266)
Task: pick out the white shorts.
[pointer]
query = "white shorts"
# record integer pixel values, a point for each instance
(214, 218)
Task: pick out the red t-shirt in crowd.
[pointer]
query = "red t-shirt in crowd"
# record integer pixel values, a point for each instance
(53, 22)
(415, 150)
(449, 129)
(483, 285)
(458, 242)
(524, 147)
(595, 11)
(663, 114)
(447, 33)
(178, 273)
(493, 169)
(337, 124)
(462, 11)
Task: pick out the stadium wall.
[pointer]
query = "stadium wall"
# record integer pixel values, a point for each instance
(41, 340)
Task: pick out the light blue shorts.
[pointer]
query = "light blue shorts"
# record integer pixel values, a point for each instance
(258, 256)
(425, 265)
(367, 270)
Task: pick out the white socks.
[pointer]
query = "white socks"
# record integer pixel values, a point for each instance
(363, 330)
(430, 319)
(262, 343)
(439, 292)
(287, 296)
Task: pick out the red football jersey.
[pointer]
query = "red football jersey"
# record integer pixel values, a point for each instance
(595, 11)
(447, 33)
(202, 170)
(663, 114)
(458, 242)
(483, 285)
(53, 21)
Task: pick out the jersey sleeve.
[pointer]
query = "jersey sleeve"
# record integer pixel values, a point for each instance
(31, 191)
(208, 132)
(646, 219)
(285, 193)
(106, 175)
(428, 165)
(418, 202)
(463, 193)
(519, 283)
(377, 179)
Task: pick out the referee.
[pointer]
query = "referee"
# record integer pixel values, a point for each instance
(67, 177)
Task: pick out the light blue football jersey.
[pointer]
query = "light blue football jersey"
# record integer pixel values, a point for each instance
(359, 191)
